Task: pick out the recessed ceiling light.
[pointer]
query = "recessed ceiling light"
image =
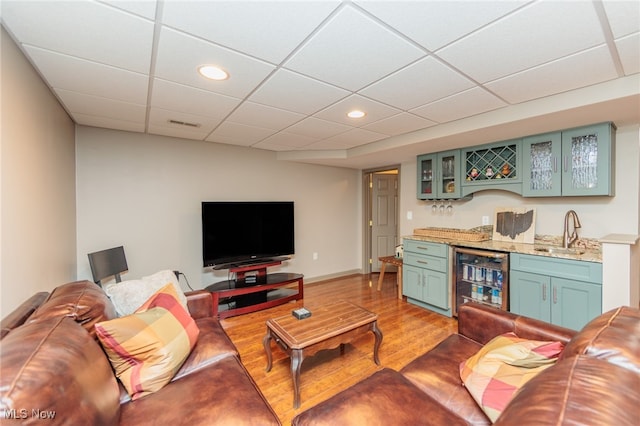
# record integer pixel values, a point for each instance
(212, 72)
(356, 114)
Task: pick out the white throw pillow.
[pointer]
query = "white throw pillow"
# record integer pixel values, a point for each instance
(127, 296)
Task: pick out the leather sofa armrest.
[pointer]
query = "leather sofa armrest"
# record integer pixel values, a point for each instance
(200, 303)
(482, 323)
(18, 316)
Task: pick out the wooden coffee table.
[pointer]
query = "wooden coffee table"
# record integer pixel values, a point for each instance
(328, 326)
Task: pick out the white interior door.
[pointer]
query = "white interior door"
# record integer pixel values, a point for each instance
(384, 220)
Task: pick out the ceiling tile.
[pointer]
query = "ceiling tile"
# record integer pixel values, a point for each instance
(471, 102)
(348, 139)
(434, 24)
(242, 25)
(399, 124)
(90, 77)
(337, 52)
(107, 123)
(316, 128)
(287, 139)
(145, 8)
(177, 97)
(513, 44)
(424, 81)
(175, 132)
(83, 29)
(161, 118)
(102, 107)
(297, 93)
(180, 55)
(567, 73)
(250, 113)
(239, 134)
(624, 16)
(628, 48)
(375, 111)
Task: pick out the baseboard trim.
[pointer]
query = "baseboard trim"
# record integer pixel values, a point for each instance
(332, 276)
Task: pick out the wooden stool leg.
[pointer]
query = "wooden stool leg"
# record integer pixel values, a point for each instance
(400, 282)
(384, 265)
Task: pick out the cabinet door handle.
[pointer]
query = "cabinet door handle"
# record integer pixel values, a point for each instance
(544, 292)
(555, 164)
(423, 248)
(555, 295)
(424, 262)
(566, 163)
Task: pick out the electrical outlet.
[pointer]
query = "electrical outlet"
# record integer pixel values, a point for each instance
(315, 255)
(409, 215)
(485, 220)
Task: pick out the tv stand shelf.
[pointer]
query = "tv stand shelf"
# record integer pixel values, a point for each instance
(251, 292)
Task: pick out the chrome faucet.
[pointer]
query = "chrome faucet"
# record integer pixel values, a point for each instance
(567, 239)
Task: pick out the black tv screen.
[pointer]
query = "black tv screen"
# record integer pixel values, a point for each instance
(238, 232)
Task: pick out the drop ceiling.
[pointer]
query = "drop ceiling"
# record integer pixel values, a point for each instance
(429, 74)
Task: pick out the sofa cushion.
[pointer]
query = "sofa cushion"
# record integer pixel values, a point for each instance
(55, 366)
(384, 398)
(576, 391)
(502, 367)
(613, 336)
(220, 394)
(83, 301)
(213, 345)
(482, 323)
(147, 348)
(127, 296)
(21, 314)
(437, 374)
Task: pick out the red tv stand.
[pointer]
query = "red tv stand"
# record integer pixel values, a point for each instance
(252, 282)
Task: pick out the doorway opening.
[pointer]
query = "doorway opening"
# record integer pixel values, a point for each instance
(381, 188)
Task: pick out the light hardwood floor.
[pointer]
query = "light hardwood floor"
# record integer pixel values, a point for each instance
(408, 331)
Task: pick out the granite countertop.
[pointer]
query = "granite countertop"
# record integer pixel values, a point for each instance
(586, 250)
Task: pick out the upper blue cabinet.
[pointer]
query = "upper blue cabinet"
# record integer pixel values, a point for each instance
(492, 166)
(541, 165)
(575, 162)
(439, 175)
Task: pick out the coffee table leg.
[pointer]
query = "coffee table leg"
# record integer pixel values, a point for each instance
(267, 348)
(296, 363)
(376, 331)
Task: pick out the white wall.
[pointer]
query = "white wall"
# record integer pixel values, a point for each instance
(38, 227)
(144, 192)
(599, 216)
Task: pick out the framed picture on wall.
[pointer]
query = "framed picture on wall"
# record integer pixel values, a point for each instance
(514, 224)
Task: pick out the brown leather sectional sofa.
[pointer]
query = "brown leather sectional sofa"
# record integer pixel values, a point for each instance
(596, 380)
(51, 364)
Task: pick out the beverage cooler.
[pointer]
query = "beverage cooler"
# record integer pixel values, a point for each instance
(480, 276)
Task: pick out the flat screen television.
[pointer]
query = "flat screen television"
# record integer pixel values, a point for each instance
(242, 232)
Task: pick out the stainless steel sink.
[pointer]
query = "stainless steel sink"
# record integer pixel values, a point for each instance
(561, 250)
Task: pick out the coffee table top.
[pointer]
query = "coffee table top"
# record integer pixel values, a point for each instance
(324, 323)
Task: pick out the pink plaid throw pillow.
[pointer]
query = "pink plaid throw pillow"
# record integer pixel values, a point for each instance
(494, 374)
(147, 348)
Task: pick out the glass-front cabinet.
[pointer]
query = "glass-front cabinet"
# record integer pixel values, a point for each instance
(439, 175)
(572, 162)
(587, 156)
(542, 165)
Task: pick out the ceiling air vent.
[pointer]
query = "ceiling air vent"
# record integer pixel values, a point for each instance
(184, 123)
